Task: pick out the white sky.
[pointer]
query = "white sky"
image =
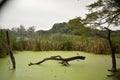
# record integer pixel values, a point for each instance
(41, 13)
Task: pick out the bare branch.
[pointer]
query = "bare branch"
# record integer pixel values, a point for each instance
(64, 61)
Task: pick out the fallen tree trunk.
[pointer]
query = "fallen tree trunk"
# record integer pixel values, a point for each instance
(64, 61)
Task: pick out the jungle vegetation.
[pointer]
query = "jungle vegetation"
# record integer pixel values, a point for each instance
(61, 36)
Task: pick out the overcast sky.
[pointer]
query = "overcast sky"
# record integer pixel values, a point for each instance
(41, 13)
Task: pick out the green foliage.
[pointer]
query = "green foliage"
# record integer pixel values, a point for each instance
(58, 42)
(103, 12)
(58, 28)
(78, 27)
(67, 42)
(3, 45)
(73, 35)
(116, 43)
(21, 31)
(97, 4)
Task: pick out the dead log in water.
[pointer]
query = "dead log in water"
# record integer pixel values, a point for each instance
(63, 61)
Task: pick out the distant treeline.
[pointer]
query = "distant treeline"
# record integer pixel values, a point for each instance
(59, 37)
(60, 28)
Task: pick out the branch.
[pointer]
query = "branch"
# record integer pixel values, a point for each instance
(64, 61)
(113, 19)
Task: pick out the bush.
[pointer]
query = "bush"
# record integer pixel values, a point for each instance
(67, 42)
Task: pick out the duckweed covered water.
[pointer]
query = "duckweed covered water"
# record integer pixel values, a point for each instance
(94, 67)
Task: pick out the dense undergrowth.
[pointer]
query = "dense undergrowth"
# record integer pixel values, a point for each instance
(55, 42)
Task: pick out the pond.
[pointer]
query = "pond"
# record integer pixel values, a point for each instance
(94, 67)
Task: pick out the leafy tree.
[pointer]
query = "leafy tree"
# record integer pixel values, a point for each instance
(14, 30)
(77, 27)
(22, 30)
(58, 28)
(31, 31)
(105, 14)
(42, 32)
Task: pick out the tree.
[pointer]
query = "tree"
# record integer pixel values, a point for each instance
(22, 30)
(14, 30)
(31, 31)
(77, 27)
(104, 14)
(10, 51)
(58, 28)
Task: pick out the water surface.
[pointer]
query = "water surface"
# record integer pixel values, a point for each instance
(94, 67)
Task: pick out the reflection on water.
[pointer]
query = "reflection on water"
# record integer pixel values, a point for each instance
(115, 75)
(94, 67)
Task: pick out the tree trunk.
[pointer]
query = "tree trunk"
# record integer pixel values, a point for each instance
(114, 68)
(64, 61)
(10, 52)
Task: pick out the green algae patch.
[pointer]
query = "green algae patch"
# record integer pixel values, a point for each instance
(94, 67)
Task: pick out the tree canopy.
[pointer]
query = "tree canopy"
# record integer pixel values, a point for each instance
(77, 26)
(104, 13)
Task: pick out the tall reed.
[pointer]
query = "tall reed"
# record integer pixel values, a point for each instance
(67, 42)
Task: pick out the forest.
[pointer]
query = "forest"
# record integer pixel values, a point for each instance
(59, 37)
